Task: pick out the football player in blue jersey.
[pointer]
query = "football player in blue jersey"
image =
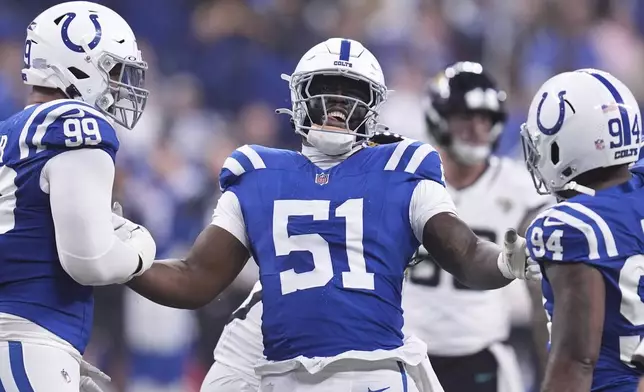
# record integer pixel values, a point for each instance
(332, 229)
(56, 173)
(582, 132)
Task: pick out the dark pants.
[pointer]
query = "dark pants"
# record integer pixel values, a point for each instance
(475, 373)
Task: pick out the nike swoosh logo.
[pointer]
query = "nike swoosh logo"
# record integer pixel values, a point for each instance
(377, 390)
(81, 113)
(548, 222)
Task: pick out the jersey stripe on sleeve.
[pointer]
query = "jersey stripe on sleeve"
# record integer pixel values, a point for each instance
(607, 235)
(583, 227)
(419, 155)
(397, 155)
(244, 159)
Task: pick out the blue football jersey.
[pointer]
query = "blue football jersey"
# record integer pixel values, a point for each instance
(33, 284)
(604, 231)
(332, 245)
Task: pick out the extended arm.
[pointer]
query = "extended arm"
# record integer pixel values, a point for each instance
(214, 261)
(79, 184)
(539, 320)
(577, 326)
(474, 262)
(540, 334)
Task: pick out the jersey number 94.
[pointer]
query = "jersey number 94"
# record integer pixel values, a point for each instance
(632, 305)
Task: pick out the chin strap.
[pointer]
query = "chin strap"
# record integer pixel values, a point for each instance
(573, 186)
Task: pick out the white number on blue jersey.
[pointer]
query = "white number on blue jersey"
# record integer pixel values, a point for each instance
(3, 144)
(7, 198)
(7, 191)
(552, 244)
(586, 237)
(81, 131)
(632, 307)
(322, 272)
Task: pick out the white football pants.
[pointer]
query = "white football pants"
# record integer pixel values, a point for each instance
(222, 378)
(380, 376)
(26, 367)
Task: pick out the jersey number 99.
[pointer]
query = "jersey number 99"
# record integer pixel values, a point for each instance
(80, 132)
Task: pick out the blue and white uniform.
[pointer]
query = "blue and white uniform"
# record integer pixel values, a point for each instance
(604, 231)
(56, 236)
(332, 237)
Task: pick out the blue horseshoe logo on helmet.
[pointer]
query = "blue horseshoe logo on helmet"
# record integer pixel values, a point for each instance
(68, 42)
(562, 114)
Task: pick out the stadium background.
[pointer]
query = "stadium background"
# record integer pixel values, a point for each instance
(214, 78)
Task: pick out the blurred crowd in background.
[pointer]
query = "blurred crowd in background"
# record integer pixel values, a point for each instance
(214, 77)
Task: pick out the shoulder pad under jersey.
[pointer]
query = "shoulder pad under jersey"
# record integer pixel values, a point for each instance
(638, 167)
(379, 138)
(418, 159)
(570, 232)
(67, 124)
(248, 158)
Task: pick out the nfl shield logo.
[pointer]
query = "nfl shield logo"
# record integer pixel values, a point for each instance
(322, 178)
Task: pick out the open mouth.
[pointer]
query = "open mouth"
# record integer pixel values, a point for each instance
(336, 118)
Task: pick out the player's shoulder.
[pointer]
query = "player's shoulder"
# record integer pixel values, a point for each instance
(251, 158)
(575, 230)
(638, 167)
(62, 109)
(417, 159)
(51, 112)
(64, 124)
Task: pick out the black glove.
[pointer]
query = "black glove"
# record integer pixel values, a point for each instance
(384, 138)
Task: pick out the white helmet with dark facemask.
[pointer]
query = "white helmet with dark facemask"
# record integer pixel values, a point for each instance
(337, 90)
(88, 52)
(464, 90)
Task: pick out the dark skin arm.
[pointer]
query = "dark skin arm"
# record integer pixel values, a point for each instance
(217, 257)
(577, 326)
(215, 260)
(461, 253)
(540, 335)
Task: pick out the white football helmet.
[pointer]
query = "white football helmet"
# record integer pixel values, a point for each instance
(336, 57)
(90, 53)
(579, 121)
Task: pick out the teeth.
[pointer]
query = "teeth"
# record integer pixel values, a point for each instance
(338, 115)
